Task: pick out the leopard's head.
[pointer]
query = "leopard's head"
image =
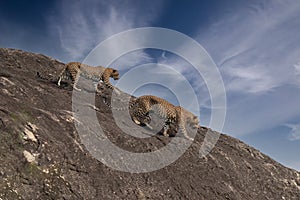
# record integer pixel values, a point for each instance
(191, 119)
(114, 73)
(194, 122)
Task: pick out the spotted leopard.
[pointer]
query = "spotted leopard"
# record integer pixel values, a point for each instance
(140, 108)
(74, 70)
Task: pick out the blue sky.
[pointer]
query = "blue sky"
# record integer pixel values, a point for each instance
(255, 45)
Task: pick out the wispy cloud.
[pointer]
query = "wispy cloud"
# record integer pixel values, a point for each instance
(294, 132)
(297, 68)
(256, 46)
(82, 25)
(187, 71)
(247, 114)
(252, 79)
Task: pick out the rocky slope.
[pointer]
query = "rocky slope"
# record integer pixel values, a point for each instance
(43, 157)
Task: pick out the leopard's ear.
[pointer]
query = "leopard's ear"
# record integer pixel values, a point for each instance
(195, 117)
(114, 70)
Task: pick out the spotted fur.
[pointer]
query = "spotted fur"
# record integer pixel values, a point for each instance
(140, 108)
(74, 70)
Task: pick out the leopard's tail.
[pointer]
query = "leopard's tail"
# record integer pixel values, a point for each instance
(40, 76)
(119, 109)
(61, 75)
(132, 103)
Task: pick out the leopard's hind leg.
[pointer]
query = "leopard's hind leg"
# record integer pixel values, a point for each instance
(166, 128)
(75, 77)
(182, 129)
(141, 113)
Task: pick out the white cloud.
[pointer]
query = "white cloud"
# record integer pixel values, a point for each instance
(186, 70)
(82, 25)
(297, 73)
(294, 132)
(252, 79)
(297, 68)
(128, 60)
(248, 114)
(255, 46)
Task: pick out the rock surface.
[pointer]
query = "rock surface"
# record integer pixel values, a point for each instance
(36, 118)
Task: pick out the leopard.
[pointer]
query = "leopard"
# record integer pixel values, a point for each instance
(73, 70)
(140, 109)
